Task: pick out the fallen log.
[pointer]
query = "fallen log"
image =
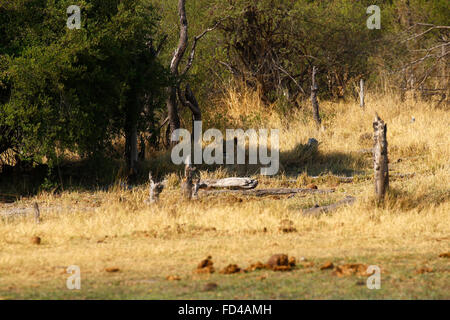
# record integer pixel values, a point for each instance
(234, 182)
(268, 192)
(318, 210)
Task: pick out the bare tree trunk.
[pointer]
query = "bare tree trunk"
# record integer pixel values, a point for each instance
(188, 99)
(361, 93)
(37, 213)
(187, 186)
(380, 158)
(172, 108)
(155, 189)
(315, 103)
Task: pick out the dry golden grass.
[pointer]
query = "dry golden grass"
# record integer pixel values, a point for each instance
(116, 229)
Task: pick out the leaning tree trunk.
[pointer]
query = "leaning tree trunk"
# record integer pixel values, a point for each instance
(380, 158)
(172, 108)
(315, 103)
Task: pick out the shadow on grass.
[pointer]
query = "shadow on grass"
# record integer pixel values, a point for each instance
(310, 160)
(102, 173)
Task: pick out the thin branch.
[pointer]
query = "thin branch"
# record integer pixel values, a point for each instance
(194, 45)
(290, 77)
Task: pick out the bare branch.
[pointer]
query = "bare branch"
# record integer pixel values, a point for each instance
(290, 77)
(160, 45)
(194, 45)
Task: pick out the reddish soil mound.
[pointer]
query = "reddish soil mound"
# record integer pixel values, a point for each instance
(257, 266)
(351, 269)
(327, 265)
(205, 266)
(281, 262)
(230, 269)
(35, 240)
(424, 270)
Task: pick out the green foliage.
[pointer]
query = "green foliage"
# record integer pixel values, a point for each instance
(73, 89)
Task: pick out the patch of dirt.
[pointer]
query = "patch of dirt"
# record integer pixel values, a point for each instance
(36, 240)
(211, 286)
(112, 269)
(327, 265)
(173, 278)
(311, 186)
(205, 266)
(257, 266)
(230, 269)
(444, 255)
(351, 269)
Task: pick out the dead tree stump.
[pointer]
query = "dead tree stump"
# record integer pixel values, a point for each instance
(155, 189)
(187, 187)
(361, 94)
(315, 103)
(380, 158)
(37, 213)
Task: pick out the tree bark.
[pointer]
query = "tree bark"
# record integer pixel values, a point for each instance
(188, 100)
(380, 158)
(172, 111)
(234, 182)
(315, 103)
(361, 94)
(187, 186)
(172, 108)
(155, 189)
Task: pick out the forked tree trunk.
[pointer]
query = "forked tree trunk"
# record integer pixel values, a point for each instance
(315, 103)
(380, 158)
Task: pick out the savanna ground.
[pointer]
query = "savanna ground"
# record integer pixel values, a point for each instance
(405, 236)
